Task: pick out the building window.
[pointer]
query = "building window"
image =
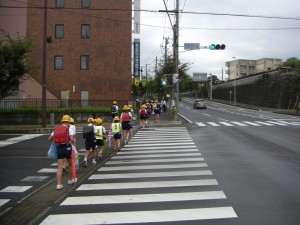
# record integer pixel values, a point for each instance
(84, 62)
(59, 31)
(85, 3)
(58, 62)
(60, 3)
(85, 30)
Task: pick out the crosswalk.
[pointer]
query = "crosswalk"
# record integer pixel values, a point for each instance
(269, 123)
(159, 177)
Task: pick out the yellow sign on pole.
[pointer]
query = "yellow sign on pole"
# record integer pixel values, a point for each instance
(68, 93)
(136, 81)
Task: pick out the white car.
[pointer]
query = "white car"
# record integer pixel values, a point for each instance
(199, 104)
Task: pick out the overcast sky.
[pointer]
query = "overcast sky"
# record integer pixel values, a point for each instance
(277, 38)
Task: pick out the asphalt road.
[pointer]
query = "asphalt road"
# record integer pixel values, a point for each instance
(226, 166)
(254, 155)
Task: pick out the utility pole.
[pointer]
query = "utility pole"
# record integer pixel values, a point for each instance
(176, 56)
(44, 80)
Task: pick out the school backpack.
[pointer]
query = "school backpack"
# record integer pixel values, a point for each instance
(113, 109)
(88, 132)
(125, 117)
(143, 111)
(61, 134)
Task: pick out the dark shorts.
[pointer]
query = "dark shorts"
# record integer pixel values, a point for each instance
(157, 111)
(143, 116)
(99, 142)
(90, 144)
(126, 125)
(117, 136)
(64, 151)
(114, 114)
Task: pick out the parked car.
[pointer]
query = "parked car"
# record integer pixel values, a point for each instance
(199, 104)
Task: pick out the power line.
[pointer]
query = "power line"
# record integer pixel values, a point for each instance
(156, 11)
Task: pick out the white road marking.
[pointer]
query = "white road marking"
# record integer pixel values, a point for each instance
(264, 123)
(154, 160)
(213, 124)
(157, 174)
(15, 189)
(48, 170)
(253, 124)
(277, 123)
(153, 167)
(181, 154)
(240, 124)
(128, 147)
(227, 124)
(156, 184)
(200, 124)
(139, 217)
(3, 201)
(146, 152)
(14, 140)
(140, 198)
(35, 178)
(159, 144)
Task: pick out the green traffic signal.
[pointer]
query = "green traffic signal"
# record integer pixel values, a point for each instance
(163, 82)
(217, 47)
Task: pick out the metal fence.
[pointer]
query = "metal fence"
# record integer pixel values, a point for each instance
(17, 103)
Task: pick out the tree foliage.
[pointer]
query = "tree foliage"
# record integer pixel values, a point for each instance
(294, 63)
(13, 65)
(154, 87)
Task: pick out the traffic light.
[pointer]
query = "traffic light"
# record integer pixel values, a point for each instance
(217, 47)
(164, 80)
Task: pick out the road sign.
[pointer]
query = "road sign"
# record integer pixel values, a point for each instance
(191, 46)
(136, 81)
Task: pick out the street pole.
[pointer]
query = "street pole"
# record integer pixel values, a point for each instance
(234, 87)
(176, 45)
(210, 94)
(44, 80)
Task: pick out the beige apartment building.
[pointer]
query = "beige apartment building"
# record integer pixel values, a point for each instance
(243, 67)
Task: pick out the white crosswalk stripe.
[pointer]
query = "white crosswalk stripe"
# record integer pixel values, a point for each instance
(138, 175)
(247, 123)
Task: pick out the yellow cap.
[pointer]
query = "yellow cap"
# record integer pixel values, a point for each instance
(116, 118)
(65, 118)
(91, 120)
(125, 107)
(98, 121)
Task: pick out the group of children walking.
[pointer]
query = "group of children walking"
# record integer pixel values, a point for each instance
(148, 109)
(95, 134)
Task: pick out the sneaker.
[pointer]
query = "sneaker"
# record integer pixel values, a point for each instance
(85, 163)
(126, 141)
(94, 162)
(73, 181)
(99, 156)
(59, 187)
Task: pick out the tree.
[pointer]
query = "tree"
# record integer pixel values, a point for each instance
(294, 63)
(166, 66)
(13, 65)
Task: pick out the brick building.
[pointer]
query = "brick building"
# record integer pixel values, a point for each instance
(90, 50)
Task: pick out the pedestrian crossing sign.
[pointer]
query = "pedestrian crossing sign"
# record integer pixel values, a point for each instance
(136, 81)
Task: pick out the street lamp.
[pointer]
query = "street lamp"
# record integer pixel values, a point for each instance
(234, 87)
